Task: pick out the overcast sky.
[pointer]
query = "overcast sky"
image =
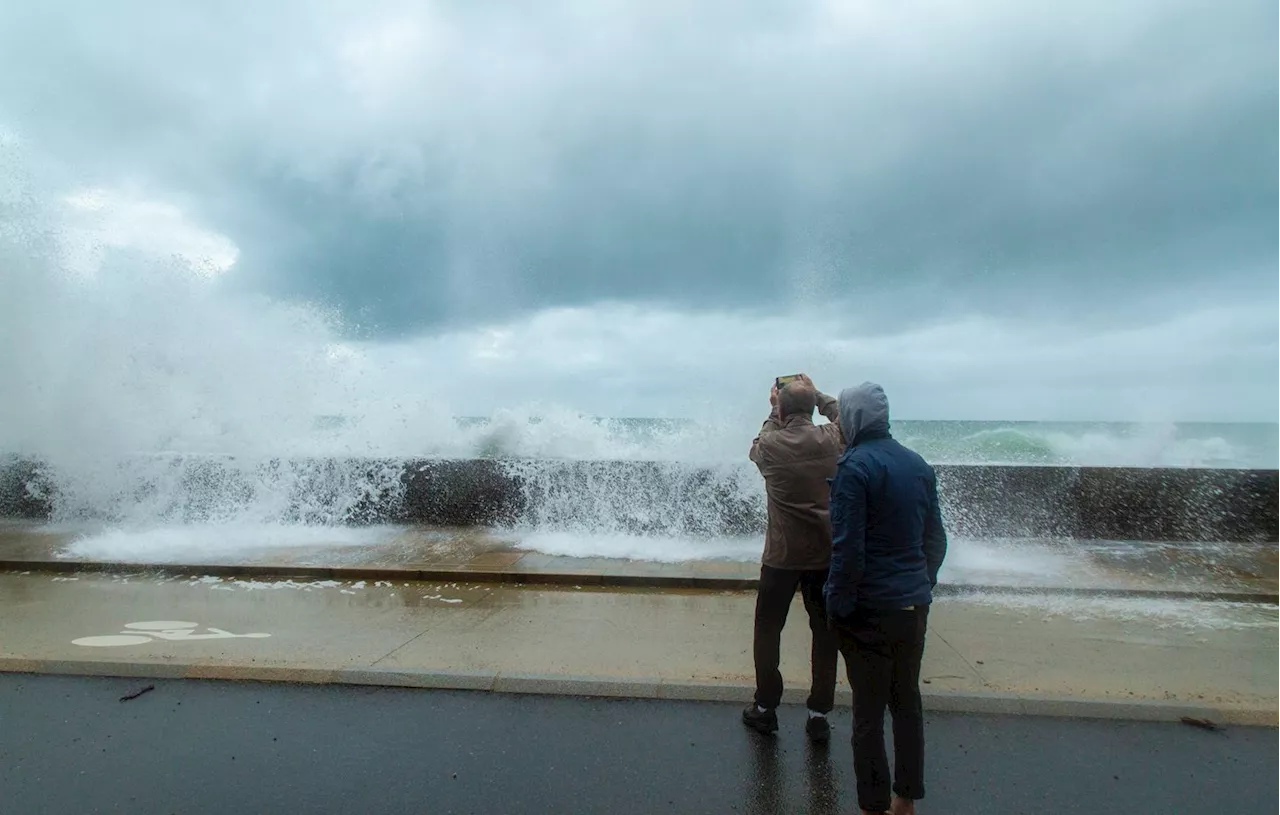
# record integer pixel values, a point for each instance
(1000, 209)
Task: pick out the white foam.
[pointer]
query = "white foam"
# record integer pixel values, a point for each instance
(1163, 613)
(657, 549)
(276, 585)
(969, 562)
(215, 542)
(268, 585)
(1020, 563)
(1147, 445)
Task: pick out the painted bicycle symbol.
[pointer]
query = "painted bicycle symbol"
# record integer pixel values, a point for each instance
(166, 630)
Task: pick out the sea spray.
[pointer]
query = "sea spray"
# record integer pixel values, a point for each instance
(143, 391)
(138, 491)
(657, 498)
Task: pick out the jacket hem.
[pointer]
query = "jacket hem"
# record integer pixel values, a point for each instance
(792, 567)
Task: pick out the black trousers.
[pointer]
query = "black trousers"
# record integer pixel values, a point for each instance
(773, 601)
(882, 652)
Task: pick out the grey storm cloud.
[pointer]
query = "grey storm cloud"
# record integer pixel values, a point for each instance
(418, 165)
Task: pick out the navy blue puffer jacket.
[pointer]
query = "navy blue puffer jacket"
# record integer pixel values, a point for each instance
(887, 536)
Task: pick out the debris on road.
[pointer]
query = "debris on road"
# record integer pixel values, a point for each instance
(1203, 724)
(136, 694)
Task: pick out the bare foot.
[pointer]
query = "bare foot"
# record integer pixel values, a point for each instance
(902, 806)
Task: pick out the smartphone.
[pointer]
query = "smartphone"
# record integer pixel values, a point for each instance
(782, 381)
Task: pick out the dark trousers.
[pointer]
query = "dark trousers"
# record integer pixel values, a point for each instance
(882, 652)
(773, 601)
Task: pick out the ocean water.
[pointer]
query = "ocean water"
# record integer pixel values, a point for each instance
(1106, 444)
(1189, 444)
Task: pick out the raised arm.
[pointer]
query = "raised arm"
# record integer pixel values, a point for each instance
(848, 539)
(935, 535)
(770, 425)
(829, 406)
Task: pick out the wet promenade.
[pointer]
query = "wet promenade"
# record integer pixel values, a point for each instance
(991, 652)
(1109, 629)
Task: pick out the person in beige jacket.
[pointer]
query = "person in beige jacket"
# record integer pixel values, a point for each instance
(796, 458)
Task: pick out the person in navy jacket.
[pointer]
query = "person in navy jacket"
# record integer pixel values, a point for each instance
(887, 545)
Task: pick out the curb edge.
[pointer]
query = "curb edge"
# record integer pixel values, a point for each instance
(635, 688)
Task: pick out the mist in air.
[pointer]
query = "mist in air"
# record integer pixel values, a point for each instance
(533, 230)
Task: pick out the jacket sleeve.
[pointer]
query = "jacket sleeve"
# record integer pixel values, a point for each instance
(829, 406)
(848, 539)
(935, 535)
(770, 425)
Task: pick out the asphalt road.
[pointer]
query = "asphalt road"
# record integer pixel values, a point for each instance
(69, 745)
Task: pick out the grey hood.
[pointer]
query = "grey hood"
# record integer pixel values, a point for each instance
(864, 413)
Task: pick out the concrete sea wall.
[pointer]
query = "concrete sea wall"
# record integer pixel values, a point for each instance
(1149, 504)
